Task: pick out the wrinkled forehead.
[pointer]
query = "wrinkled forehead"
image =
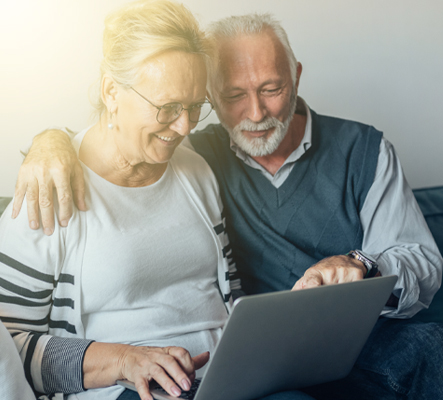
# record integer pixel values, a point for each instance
(250, 56)
(174, 76)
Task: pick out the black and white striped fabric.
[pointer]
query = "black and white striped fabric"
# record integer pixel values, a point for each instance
(27, 298)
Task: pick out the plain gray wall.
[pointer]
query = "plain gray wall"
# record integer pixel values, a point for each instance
(375, 61)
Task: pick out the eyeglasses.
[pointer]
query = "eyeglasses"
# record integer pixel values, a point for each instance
(169, 112)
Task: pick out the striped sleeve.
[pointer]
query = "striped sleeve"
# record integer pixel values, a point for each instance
(231, 274)
(26, 299)
(30, 273)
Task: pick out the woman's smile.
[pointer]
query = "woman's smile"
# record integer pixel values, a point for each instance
(169, 139)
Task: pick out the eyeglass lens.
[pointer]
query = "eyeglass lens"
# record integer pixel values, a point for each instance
(170, 112)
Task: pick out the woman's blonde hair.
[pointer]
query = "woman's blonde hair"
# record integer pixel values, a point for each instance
(144, 29)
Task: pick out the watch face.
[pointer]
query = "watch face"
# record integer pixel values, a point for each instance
(368, 257)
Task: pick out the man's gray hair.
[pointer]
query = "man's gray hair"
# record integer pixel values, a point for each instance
(248, 24)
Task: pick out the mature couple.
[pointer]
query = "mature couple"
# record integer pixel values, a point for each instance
(139, 286)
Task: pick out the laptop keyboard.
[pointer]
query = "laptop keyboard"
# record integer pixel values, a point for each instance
(189, 395)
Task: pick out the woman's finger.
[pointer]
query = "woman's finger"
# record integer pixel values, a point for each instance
(201, 360)
(158, 373)
(183, 358)
(142, 387)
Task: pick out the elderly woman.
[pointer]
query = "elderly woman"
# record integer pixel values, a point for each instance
(132, 283)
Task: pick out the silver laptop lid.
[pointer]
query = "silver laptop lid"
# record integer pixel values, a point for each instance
(287, 340)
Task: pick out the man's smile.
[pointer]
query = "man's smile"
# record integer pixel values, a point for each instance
(256, 134)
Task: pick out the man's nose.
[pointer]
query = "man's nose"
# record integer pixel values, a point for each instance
(256, 108)
(182, 125)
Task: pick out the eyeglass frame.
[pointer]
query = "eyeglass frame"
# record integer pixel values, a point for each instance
(159, 108)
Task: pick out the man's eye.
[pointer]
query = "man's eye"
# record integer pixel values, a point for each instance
(271, 91)
(234, 97)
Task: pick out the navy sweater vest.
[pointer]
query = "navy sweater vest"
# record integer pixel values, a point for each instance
(276, 234)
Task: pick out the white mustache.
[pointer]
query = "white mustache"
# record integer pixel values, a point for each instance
(248, 125)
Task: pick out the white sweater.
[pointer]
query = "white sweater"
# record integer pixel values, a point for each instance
(41, 277)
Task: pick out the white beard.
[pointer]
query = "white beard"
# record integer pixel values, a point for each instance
(261, 146)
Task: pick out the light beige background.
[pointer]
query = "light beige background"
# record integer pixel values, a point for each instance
(376, 61)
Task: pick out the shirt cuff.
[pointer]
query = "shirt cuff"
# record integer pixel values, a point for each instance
(62, 365)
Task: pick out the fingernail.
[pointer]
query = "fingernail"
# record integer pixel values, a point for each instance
(48, 231)
(176, 391)
(64, 222)
(34, 225)
(186, 384)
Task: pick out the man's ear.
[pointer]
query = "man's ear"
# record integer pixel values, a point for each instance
(109, 93)
(299, 71)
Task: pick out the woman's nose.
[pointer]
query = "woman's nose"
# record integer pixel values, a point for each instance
(182, 125)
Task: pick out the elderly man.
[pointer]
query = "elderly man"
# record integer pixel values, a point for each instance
(309, 200)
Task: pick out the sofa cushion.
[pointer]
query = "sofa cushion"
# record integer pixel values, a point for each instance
(4, 201)
(431, 204)
(430, 201)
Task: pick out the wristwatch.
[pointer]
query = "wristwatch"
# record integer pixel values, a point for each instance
(369, 262)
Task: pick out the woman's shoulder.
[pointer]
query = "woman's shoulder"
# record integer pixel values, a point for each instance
(188, 161)
(197, 176)
(32, 247)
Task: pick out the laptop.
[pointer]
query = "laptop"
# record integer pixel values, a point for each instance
(287, 340)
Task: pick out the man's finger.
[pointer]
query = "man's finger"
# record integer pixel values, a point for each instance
(64, 195)
(32, 204)
(45, 200)
(308, 281)
(78, 188)
(19, 195)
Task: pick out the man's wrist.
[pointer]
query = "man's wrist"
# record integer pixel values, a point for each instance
(51, 134)
(369, 262)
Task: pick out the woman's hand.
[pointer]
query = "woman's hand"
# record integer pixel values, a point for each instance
(51, 163)
(172, 367)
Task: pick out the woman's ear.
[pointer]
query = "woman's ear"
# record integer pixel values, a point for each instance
(109, 93)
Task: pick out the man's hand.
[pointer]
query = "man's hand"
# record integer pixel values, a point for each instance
(51, 163)
(336, 269)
